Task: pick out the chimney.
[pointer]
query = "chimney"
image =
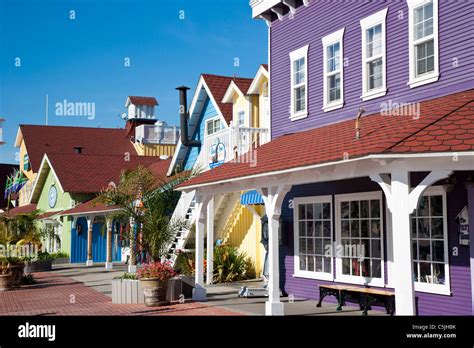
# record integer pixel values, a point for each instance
(183, 116)
(78, 149)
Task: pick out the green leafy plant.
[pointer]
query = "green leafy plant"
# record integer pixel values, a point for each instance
(44, 256)
(127, 275)
(59, 255)
(231, 265)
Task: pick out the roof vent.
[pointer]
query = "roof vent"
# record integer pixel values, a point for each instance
(358, 122)
(78, 149)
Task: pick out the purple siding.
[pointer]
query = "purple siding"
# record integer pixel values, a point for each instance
(459, 303)
(320, 18)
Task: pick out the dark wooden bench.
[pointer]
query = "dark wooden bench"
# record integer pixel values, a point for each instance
(364, 296)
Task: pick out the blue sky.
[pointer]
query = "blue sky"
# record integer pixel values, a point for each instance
(82, 59)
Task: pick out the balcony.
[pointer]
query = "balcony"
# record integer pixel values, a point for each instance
(231, 143)
(157, 134)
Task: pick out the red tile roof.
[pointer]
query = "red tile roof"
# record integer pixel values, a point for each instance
(83, 173)
(445, 124)
(218, 86)
(151, 101)
(48, 214)
(90, 206)
(59, 139)
(243, 84)
(24, 209)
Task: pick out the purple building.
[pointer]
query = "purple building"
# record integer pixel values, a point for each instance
(368, 181)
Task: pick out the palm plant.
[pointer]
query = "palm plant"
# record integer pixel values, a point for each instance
(20, 229)
(146, 203)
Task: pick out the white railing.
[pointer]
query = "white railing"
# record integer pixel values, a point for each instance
(157, 134)
(231, 143)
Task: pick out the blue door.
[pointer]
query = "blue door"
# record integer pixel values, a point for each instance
(99, 242)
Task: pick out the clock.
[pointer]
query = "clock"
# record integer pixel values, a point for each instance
(52, 196)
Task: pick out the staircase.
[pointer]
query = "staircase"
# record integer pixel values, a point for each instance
(185, 210)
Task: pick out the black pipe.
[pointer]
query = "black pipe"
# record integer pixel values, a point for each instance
(183, 115)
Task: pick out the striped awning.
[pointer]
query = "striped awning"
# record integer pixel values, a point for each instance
(250, 198)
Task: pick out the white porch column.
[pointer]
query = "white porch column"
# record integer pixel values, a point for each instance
(470, 205)
(90, 225)
(402, 244)
(199, 292)
(108, 262)
(273, 199)
(402, 201)
(132, 261)
(210, 241)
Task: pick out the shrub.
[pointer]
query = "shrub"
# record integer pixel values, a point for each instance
(230, 265)
(127, 275)
(59, 255)
(28, 279)
(44, 256)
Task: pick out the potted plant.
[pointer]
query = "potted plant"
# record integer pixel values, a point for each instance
(5, 275)
(154, 280)
(16, 266)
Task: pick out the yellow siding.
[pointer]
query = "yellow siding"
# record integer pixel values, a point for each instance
(155, 149)
(245, 234)
(255, 112)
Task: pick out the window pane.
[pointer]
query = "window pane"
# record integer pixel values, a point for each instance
(438, 251)
(376, 269)
(302, 211)
(319, 264)
(334, 87)
(365, 268)
(364, 209)
(319, 246)
(333, 57)
(309, 211)
(302, 228)
(437, 230)
(438, 276)
(376, 248)
(416, 277)
(374, 41)
(419, 14)
(326, 210)
(364, 228)
(363, 249)
(303, 263)
(310, 246)
(413, 227)
(344, 210)
(425, 272)
(424, 250)
(327, 228)
(415, 250)
(303, 245)
(354, 209)
(423, 207)
(318, 229)
(375, 228)
(300, 98)
(318, 211)
(355, 267)
(355, 233)
(423, 228)
(346, 266)
(327, 251)
(345, 228)
(375, 73)
(310, 263)
(310, 229)
(327, 264)
(436, 205)
(374, 208)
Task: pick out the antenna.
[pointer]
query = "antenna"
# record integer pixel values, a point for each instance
(47, 100)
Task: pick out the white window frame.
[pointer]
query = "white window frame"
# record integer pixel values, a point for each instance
(329, 40)
(238, 118)
(433, 76)
(360, 280)
(308, 274)
(294, 56)
(366, 24)
(213, 119)
(439, 289)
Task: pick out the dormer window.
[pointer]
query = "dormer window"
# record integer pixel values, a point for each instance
(423, 39)
(241, 118)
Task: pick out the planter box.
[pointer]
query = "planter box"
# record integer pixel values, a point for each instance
(61, 260)
(38, 266)
(127, 291)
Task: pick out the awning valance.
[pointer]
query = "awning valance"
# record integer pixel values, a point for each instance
(250, 198)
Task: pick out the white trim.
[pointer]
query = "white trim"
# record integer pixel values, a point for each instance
(261, 72)
(368, 23)
(378, 157)
(308, 274)
(372, 195)
(38, 175)
(229, 93)
(295, 55)
(328, 40)
(434, 75)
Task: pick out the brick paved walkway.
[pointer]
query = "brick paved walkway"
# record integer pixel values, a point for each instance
(58, 295)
